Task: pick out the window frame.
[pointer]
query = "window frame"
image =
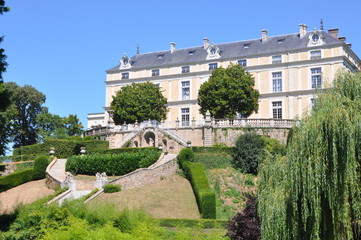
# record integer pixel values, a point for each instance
(184, 89)
(125, 75)
(277, 84)
(277, 111)
(318, 80)
(276, 61)
(319, 56)
(185, 116)
(210, 66)
(242, 62)
(185, 67)
(155, 72)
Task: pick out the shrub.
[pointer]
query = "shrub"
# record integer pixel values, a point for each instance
(214, 149)
(249, 152)
(186, 154)
(192, 223)
(63, 148)
(121, 150)
(15, 179)
(40, 165)
(245, 225)
(206, 199)
(112, 164)
(111, 188)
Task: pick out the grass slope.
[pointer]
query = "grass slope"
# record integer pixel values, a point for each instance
(171, 198)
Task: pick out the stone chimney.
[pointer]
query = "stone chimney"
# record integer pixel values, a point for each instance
(205, 43)
(333, 32)
(343, 39)
(264, 35)
(303, 30)
(172, 47)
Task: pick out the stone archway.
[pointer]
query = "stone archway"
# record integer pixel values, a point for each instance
(149, 139)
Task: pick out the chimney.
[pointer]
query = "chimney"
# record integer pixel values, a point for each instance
(343, 39)
(333, 32)
(205, 43)
(303, 30)
(172, 47)
(264, 35)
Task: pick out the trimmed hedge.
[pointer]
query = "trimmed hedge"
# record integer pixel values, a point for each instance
(40, 165)
(193, 223)
(120, 150)
(206, 199)
(15, 179)
(111, 188)
(112, 164)
(63, 148)
(185, 155)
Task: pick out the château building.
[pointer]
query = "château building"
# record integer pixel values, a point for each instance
(288, 69)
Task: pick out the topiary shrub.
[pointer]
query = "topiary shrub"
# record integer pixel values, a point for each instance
(111, 188)
(245, 225)
(186, 154)
(40, 165)
(249, 152)
(15, 179)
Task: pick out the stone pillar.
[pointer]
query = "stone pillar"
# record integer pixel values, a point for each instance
(207, 131)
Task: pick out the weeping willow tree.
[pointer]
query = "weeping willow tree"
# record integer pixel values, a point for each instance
(322, 175)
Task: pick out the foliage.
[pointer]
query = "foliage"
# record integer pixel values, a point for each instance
(211, 160)
(114, 164)
(120, 150)
(245, 225)
(205, 197)
(228, 92)
(40, 165)
(215, 149)
(192, 223)
(273, 147)
(111, 188)
(322, 184)
(15, 179)
(139, 102)
(5, 133)
(26, 104)
(63, 148)
(73, 125)
(249, 152)
(75, 220)
(186, 154)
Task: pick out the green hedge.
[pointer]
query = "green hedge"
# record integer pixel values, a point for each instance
(193, 223)
(111, 188)
(40, 165)
(120, 150)
(15, 179)
(206, 199)
(63, 148)
(112, 164)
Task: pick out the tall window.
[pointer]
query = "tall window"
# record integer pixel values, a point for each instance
(185, 69)
(242, 62)
(213, 66)
(276, 59)
(277, 109)
(315, 54)
(185, 116)
(125, 75)
(316, 79)
(185, 90)
(277, 82)
(155, 72)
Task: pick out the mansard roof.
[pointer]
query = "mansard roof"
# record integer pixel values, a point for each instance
(232, 50)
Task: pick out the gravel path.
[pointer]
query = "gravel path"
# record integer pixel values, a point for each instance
(23, 194)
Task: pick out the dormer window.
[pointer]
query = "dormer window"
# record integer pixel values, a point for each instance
(213, 52)
(246, 45)
(191, 53)
(282, 40)
(125, 62)
(160, 56)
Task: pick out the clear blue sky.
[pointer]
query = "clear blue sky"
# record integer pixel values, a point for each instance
(62, 48)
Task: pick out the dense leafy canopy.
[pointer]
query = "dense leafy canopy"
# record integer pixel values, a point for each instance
(317, 189)
(139, 102)
(26, 104)
(228, 92)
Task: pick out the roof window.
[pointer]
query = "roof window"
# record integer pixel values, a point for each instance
(281, 40)
(160, 56)
(246, 45)
(190, 53)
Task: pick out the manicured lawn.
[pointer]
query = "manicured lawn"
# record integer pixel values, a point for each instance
(170, 198)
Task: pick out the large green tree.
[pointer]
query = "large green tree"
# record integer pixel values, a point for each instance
(139, 102)
(50, 125)
(73, 125)
(228, 92)
(26, 104)
(317, 190)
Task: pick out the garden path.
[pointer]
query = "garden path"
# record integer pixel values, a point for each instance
(58, 170)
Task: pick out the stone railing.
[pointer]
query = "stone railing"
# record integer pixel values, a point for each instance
(51, 181)
(226, 122)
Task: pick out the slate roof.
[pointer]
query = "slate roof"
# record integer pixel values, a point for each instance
(227, 51)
